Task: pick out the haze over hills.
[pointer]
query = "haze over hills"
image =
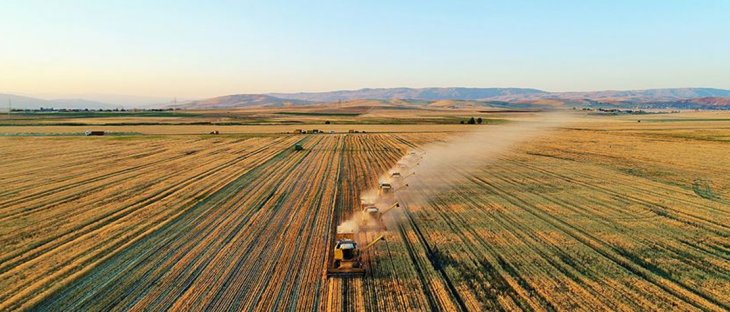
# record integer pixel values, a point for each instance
(84, 101)
(409, 93)
(241, 100)
(653, 94)
(686, 98)
(26, 102)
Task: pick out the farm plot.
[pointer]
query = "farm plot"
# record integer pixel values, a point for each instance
(574, 220)
(69, 204)
(555, 225)
(258, 239)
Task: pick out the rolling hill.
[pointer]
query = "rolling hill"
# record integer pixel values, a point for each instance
(456, 98)
(240, 101)
(647, 95)
(431, 94)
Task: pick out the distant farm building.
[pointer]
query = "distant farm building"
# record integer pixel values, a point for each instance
(93, 132)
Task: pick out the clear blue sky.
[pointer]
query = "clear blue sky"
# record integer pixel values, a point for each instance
(200, 49)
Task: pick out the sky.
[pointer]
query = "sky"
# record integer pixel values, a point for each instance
(198, 49)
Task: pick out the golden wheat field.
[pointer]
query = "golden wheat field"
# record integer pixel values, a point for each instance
(600, 214)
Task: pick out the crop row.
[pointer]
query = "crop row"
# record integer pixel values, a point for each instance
(247, 224)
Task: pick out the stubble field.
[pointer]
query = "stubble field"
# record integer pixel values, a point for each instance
(605, 214)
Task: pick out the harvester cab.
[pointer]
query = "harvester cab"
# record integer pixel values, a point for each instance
(346, 257)
(371, 211)
(346, 254)
(385, 187)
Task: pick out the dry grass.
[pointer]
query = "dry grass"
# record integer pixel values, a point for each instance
(226, 129)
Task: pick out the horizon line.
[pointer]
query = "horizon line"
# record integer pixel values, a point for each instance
(75, 95)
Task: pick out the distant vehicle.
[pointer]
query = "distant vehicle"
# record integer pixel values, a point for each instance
(93, 133)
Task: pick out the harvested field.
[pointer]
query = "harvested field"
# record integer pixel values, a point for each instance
(226, 129)
(595, 216)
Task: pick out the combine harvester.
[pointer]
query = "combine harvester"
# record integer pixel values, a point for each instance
(346, 257)
(371, 213)
(397, 176)
(346, 260)
(385, 188)
(387, 191)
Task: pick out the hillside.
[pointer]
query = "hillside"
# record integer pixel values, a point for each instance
(649, 94)
(410, 93)
(464, 98)
(240, 101)
(698, 103)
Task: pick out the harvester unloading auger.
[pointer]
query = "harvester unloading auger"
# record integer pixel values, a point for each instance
(346, 258)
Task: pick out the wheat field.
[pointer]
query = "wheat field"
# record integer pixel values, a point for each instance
(612, 215)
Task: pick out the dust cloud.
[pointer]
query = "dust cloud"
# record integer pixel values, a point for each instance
(440, 166)
(437, 167)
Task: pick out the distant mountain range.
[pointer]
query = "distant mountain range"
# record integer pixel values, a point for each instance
(679, 98)
(651, 94)
(429, 94)
(685, 98)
